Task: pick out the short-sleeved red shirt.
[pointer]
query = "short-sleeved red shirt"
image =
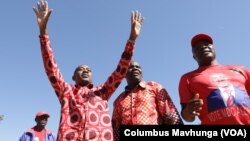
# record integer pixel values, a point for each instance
(225, 92)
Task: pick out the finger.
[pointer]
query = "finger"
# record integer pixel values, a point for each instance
(142, 20)
(50, 11)
(199, 103)
(139, 16)
(132, 16)
(39, 6)
(35, 10)
(46, 6)
(199, 108)
(43, 5)
(42, 2)
(136, 15)
(195, 113)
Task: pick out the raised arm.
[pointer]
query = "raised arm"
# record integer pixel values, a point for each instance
(116, 77)
(42, 12)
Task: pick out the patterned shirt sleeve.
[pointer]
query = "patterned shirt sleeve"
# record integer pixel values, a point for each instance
(51, 67)
(116, 121)
(116, 77)
(167, 109)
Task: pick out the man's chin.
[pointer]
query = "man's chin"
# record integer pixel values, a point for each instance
(85, 80)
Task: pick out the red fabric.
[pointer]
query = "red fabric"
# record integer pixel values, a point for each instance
(216, 85)
(84, 110)
(148, 104)
(39, 136)
(41, 114)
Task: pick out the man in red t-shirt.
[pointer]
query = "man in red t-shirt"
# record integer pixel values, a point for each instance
(39, 132)
(217, 94)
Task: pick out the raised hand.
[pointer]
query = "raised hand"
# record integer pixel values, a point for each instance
(42, 12)
(136, 23)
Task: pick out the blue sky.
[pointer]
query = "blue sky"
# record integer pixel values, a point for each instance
(94, 33)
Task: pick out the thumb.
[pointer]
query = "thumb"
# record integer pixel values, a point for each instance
(50, 11)
(35, 10)
(197, 96)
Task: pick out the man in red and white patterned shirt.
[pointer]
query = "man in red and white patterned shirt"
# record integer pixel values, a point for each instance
(143, 103)
(84, 108)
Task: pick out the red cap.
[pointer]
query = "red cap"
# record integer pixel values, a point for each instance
(200, 37)
(41, 114)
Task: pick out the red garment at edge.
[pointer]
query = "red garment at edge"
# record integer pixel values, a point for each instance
(148, 104)
(225, 92)
(39, 135)
(84, 110)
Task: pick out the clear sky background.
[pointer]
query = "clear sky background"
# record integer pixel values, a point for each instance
(94, 33)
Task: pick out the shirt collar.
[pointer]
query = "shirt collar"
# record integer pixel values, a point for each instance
(90, 86)
(142, 84)
(31, 130)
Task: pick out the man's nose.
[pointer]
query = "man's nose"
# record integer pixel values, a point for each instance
(85, 70)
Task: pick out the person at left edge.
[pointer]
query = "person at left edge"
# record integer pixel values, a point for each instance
(84, 107)
(39, 132)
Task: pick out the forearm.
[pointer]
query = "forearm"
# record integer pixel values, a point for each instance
(43, 32)
(50, 65)
(132, 38)
(116, 77)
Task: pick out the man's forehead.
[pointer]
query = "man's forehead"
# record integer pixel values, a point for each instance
(83, 66)
(201, 42)
(134, 63)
